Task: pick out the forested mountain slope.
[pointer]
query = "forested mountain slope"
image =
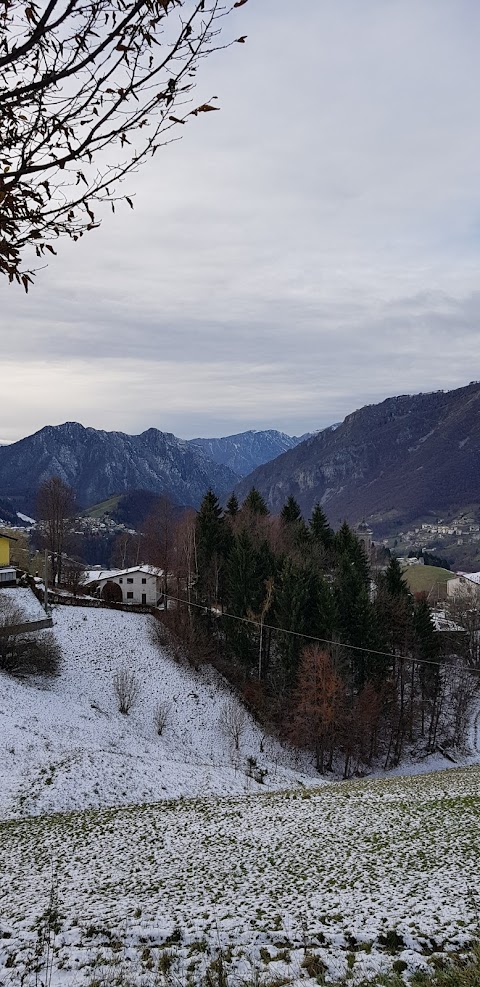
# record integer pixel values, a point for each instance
(388, 462)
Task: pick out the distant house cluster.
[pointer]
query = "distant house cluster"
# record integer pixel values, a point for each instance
(85, 525)
(463, 531)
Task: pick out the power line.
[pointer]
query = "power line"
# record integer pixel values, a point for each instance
(319, 640)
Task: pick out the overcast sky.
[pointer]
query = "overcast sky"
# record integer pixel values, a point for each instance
(312, 248)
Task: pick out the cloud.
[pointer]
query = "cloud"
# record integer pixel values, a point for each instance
(311, 248)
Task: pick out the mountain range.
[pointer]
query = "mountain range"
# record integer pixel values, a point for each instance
(407, 457)
(98, 464)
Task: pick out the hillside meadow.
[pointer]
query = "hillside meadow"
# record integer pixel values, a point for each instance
(358, 878)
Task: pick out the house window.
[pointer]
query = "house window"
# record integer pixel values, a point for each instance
(129, 580)
(120, 580)
(129, 596)
(144, 581)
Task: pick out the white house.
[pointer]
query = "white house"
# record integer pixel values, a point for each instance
(139, 584)
(465, 585)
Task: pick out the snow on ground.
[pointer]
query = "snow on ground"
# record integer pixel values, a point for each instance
(66, 746)
(362, 876)
(158, 869)
(22, 599)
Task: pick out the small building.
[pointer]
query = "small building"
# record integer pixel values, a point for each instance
(141, 584)
(5, 548)
(8, 576)
(465, 585)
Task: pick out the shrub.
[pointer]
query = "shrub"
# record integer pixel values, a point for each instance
(26, 654)
(161, 716)
(126, 688)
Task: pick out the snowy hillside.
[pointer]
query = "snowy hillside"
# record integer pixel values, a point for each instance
(66, 746)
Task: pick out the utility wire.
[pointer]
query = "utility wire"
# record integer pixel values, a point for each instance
(319, 640)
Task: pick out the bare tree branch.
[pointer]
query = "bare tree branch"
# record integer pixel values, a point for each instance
(82, 79)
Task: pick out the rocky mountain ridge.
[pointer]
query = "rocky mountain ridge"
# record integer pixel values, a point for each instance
(98, 464)
(245, 451)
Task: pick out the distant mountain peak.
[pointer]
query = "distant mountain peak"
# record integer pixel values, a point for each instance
(245, 451)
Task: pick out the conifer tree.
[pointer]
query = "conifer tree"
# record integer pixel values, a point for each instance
(232, 507)
(320, 530)
(291, 513)
(211, 537)
(295, 531)
(255, 503)
(426, 648)
(394, 610)
(293, 601)
(242, 576)
(344, 539)
(395, 582)
(305, 604)
(355, 616)
(248, 568)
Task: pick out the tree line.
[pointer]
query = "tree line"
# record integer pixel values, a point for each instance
(325, 641)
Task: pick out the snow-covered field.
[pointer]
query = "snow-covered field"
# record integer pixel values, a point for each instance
(174, 853)
(356, 876)
(65, 745)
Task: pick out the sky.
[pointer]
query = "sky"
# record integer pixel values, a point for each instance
(312, 248)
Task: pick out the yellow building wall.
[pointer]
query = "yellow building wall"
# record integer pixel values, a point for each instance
(4, 551)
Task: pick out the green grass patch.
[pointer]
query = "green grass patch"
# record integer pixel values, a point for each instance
(104, 507)
(423, 578)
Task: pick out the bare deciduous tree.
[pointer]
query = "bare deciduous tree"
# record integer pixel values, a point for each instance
(73, 572)
(89, 91)
(318, 703)
(55, 508)
(233, 722)
(159, 539)
(127, 689)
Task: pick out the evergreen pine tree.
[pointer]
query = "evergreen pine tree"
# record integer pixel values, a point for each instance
(248, 569)
(232, 507)
(394, 579)
(320, 530)
(356, 623)
(343, 539)
(291, 513)
(291, 612)
(212, 545)
(295, 531)
(255, 503)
